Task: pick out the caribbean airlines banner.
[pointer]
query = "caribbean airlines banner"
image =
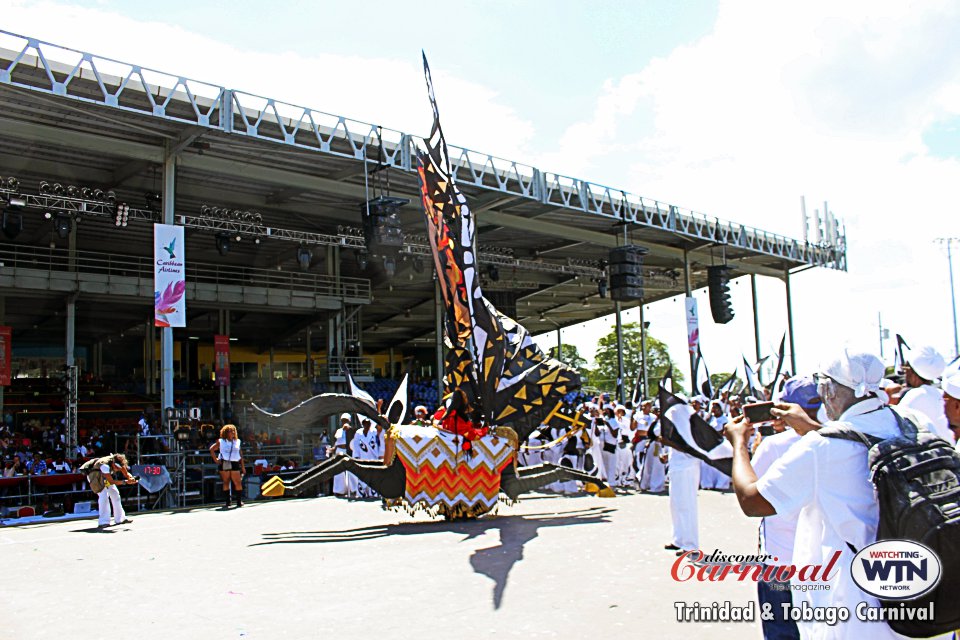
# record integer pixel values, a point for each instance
(693, 325)
(6, 334)
(169, 279)
(221, 360)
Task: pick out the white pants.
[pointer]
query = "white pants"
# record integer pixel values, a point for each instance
(684, 481)
(610, 468)
(652, 473)
(110, 497)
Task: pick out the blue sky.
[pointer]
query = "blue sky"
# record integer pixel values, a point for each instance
(736, 108)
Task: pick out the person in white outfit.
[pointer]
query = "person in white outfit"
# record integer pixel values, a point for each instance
(924, 367)
(609, 438)
(100, 475)
(710, 477)
(684, 474)
(827, 482)
(341, 486)
(951, 404)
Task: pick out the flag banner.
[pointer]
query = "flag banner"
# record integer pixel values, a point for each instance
(703, 376)
(693, 325)
(221, 359)
(169, 278)
(6, 335)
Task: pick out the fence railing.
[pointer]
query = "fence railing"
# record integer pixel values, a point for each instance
(131, 266)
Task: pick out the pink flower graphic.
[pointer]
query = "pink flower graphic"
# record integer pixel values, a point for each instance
(166, 302)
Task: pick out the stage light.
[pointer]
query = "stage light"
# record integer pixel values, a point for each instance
(63, 224)
(44, 187)
(304, 256)
(362, 260)
(86, 193)
(72, 191)
(98, 194)
(12, 223)
(13, 184)
(57, 189)
(204, 210)
(111, 196)
(47, 215)
(123, 214)
(223, 244)
(602, 287)
(390, 266)
(17, 201)
(238, 237)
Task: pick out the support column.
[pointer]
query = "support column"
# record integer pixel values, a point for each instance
(166, 333)
(756, 316)
(72, 439)
(3, 319)
(224, 395)
(643, 355)
(271, 362)
(390, 364)
(689, 291)
(616, 306)
(151, 369)
(438, 324)
(559, 345)
(793, 353)
(308, 353)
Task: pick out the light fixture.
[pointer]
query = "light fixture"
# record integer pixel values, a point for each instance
(238, 237)
(47, 215)
(493, 273)
(602, 287)
(62, 223)
(304, 256)
(362, 260)
(223, 244)
(123, 214)
(17, 201)
(390, 266)
(543, 318)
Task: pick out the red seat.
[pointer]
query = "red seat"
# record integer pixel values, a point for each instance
(26, 512)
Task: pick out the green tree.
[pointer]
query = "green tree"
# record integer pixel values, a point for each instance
(604, 375)
(569, 355)
(717, 379)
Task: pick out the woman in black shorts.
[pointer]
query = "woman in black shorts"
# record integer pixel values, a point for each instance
(229, 462)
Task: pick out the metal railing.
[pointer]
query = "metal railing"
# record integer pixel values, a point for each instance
(40, 66)
(142, 267)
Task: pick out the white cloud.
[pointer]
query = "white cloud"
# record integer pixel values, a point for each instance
(826, 99)
(381, 91)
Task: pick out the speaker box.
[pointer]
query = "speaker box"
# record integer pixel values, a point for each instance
(626, 273)
(718, 286)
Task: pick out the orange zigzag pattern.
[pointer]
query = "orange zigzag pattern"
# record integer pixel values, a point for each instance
(446, 484)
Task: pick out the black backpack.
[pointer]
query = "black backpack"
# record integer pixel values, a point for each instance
(917, 478)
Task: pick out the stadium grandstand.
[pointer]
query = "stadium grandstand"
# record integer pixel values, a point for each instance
(281, 256)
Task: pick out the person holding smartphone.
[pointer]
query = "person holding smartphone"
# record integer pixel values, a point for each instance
(226, 453)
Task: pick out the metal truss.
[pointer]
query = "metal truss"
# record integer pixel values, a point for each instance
(48, 68)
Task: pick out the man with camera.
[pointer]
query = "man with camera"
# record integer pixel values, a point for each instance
(99, 474)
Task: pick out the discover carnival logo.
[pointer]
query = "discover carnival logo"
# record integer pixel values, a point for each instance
(896, 569)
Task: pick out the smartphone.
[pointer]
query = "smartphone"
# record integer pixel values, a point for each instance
(766, 430)
(758, 411)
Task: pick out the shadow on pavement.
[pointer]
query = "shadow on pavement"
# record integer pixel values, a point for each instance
(493, 562)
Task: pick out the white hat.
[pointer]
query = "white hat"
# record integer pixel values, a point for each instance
(951, 385)
(344, 416)
(861, 372)
(620, 407)
(926, 362)
(420, 407)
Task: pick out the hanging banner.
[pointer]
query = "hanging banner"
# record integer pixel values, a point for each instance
(169, 279)
(693, 325)
(221, 360)
(6, 335)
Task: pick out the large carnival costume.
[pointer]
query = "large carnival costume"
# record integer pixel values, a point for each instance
(496, 376)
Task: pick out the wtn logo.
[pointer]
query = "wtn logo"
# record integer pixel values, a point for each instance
(896, 569)
(902, 569)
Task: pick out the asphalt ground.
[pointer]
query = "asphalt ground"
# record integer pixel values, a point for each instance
(547, 567)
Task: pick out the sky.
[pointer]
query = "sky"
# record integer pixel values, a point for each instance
(734, 109)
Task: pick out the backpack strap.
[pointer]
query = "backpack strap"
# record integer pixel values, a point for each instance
(840, 432)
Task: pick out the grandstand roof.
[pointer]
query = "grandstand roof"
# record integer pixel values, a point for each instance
(79, 119)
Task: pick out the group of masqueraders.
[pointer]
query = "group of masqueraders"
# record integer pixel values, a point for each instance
(814, 492)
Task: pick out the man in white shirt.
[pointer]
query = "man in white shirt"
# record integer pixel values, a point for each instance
(777, 532)
(684, 473)
(951, 404)
(711, 478)
(609, 438)
(924, 367)
(826, 481)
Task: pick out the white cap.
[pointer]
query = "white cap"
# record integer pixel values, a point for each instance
(419, 408)
(861, 372)
(926, 362)
(951, 385)
(344, 416)
(620, 407)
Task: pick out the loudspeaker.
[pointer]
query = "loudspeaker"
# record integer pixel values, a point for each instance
(718, 285)
(382, 230)
(626, 273)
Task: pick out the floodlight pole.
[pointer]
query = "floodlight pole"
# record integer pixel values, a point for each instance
(793, 352)
(688, 288)
(953, 300)
(756, 315)
(643, 354)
